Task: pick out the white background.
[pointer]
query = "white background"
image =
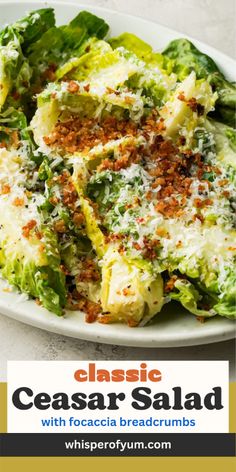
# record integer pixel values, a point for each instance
(55, 377)
(213, 22)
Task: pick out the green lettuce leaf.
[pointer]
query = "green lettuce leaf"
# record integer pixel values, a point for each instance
(225, 142)
(186, 58)
(43, 280)
(12, 64)
(226, 305)
(60, 44)
(94, 25)
(141, 49)
(30, 28)
(29, 251)
(189, 296)
(132, 43)
(57, 100)
(226, 102)
(15, 71)
(15, 120)
(153, 75)
(129, 293)
(34, 25)
(177, 113)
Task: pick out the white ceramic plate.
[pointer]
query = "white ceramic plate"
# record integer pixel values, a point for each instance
(173, 327)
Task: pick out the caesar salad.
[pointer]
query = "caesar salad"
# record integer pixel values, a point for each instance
(117, 172)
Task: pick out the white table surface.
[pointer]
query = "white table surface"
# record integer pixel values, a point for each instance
(213, 22)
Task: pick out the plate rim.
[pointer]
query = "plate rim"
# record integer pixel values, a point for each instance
(105, 338)
(13, 305)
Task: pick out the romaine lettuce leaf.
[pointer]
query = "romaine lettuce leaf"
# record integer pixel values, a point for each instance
(29, 253)
(101, 67)
(94, 25)
(60, 44)
(186, 58)
(226, 305)
(129, 290)
(30, 28)
(191, 299)
(34, 25)
(15, 120)
(13, 66)
(177, 111)
(15, 71)
(203, 303)
(225, 142)
(95, 102)
(129, 293)
(153, 77)
(132, 43)
(42, 279)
